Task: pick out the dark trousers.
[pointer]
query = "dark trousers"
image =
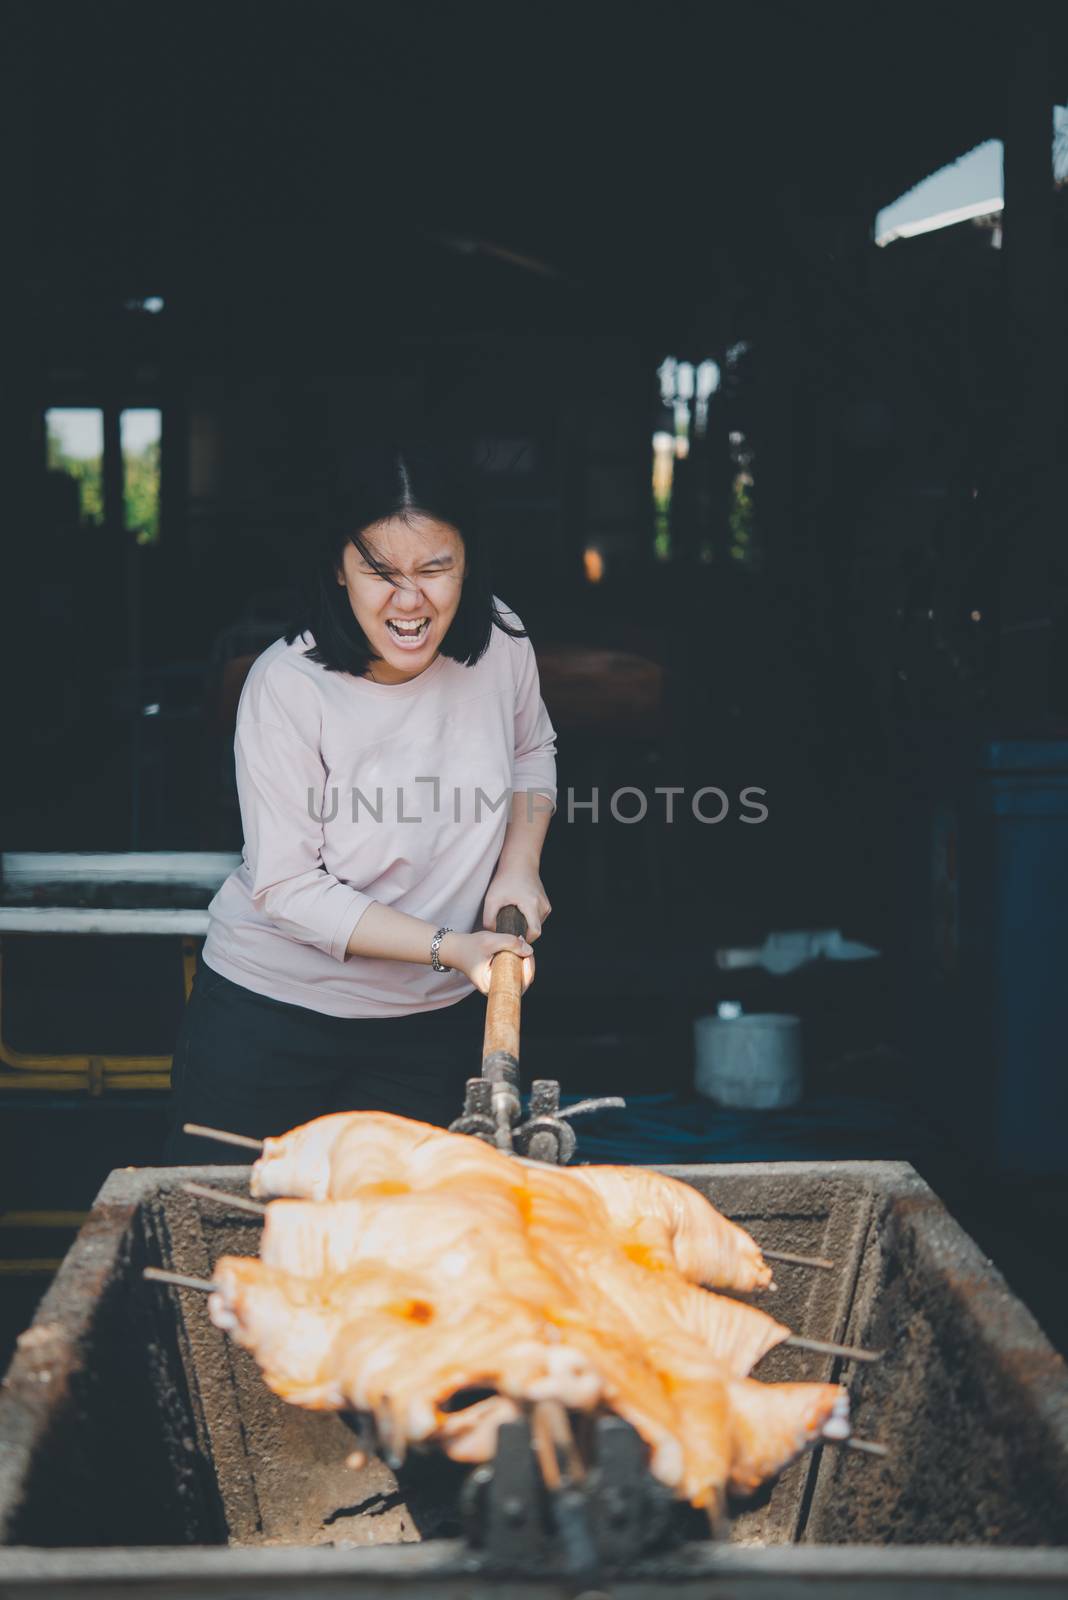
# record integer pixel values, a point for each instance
(258, 1066)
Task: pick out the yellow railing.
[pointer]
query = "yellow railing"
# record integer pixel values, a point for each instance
(36, 1266)
(42, 1219)
(95, 1074)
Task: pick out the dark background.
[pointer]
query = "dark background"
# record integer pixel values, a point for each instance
(496, 223)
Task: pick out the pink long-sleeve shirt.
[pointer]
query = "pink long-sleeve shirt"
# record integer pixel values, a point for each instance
(353, 791)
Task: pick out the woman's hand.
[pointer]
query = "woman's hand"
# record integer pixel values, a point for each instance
(517, 886)
(472, 953)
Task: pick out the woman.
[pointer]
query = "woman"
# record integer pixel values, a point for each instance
(396, 773)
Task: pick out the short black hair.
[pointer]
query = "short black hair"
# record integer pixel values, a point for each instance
(376, 483)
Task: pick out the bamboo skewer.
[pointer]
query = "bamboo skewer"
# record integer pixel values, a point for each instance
(798, 1261)
(822, 1347)
(563, 1435)
(223, 1197)
(180, 1280)
(719, 1522)
(541, 1437)
(222, 1136)
(552, 1439)
(869, 1446)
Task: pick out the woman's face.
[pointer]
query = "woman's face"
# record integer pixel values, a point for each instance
(407, 615)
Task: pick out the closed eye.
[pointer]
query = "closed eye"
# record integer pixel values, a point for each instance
(391, 577)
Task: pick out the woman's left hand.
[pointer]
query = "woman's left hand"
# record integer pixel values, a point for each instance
(514, 886)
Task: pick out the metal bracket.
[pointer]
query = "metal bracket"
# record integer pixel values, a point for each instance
(615, 1514)
(546, 1135)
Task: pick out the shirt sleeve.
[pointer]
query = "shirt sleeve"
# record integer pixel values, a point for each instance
(280, 784)
(534, 761)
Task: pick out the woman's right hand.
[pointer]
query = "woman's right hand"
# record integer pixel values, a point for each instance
(472, 953)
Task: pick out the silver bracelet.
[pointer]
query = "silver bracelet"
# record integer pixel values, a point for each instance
(435, 946)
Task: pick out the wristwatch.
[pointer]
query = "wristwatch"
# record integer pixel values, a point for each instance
(435, 946)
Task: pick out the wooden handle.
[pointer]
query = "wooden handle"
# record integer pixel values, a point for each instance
(511, 920)
(505, 992)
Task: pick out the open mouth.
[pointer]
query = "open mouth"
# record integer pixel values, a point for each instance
(408, 632)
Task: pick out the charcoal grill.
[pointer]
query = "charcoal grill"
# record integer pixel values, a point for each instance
(141, 1452)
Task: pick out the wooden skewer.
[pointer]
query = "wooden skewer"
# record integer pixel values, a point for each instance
(179, 1279)
(799, 1261)
(719, 1527)
(849, 1352)
(391, 1440)
(550, 1432)
(564, 1435)
(239, 1203)
(869, 1446)
(222, 1136)
(544, 1446)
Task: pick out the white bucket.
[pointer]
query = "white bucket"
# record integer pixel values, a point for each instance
(752, 1062)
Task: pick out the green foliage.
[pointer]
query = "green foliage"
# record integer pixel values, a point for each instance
(740, 518)
(141, 470)
(88, 475)
(142, 492)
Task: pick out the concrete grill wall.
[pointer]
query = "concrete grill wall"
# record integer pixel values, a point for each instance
(126, 1420)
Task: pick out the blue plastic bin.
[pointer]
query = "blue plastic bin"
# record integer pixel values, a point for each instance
(994, 1008)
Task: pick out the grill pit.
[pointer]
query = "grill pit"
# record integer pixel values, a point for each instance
(137, 1435)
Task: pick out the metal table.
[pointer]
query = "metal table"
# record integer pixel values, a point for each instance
(122, 893)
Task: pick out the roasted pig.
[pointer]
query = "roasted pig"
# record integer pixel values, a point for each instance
(392, 1342)
(672, 1220)
(441, 1286)
(544, 1253)
(353, 1153)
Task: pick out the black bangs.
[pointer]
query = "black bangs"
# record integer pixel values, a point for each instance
(375, 485)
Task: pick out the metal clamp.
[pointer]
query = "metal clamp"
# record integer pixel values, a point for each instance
(614, 1514)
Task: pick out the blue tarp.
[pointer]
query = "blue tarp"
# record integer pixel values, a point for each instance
(657, 1129)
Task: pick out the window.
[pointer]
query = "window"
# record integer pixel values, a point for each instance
(685, 392)
(140, 432)
(75, 444)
